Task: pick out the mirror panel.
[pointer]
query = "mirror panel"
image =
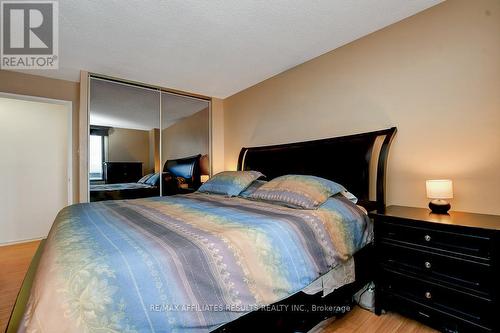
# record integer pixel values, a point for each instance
(124, 141)
(185, 142)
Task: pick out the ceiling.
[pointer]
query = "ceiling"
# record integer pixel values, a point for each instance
(214, 48)
(117, 105)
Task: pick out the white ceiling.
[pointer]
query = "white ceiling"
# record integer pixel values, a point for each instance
(211, 47)
(124, 106)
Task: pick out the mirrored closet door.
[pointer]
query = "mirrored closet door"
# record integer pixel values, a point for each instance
(184, 142)
(145, 142)
(124, 161)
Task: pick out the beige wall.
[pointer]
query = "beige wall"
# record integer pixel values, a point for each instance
(217, 127)
(436, 76)
(154, 149)
(31, 85)
(187, 137)
(130, 145)
(34, 150)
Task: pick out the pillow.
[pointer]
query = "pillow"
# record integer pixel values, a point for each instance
(153, 180)
(298, 191)
(145, 178)
(252, 188)
(351, 197)
(229, 183)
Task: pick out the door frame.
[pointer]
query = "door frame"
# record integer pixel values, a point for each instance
(69, 109)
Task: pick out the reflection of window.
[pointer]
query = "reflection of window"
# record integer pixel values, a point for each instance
(96, 157)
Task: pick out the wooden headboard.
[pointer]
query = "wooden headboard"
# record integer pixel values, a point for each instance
(356, 161)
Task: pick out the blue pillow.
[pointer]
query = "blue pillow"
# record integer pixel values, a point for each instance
(144, 179)
(230, 183)
(153, 180)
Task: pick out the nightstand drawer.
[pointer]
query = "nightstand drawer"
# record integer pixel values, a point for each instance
(466, 306)
(462, 244)
(460, 273)
(443, 321)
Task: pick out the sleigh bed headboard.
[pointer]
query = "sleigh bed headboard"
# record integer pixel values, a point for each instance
(356, 161)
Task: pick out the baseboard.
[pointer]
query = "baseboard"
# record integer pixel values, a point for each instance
(21, 241)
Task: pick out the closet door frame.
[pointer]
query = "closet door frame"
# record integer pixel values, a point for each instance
(84, 124)
(69, 108)
(70, 181)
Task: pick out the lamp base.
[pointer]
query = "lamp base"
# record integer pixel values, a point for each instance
(439, 206)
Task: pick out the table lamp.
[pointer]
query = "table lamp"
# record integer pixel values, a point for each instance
(438, 190)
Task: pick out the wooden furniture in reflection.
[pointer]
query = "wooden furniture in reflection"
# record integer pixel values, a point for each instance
(122, 172)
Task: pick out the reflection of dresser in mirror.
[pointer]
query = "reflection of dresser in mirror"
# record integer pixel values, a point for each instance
(134, 131)
(122, 172)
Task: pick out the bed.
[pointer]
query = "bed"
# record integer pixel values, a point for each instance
(175, 171)
(101, 192)
(200, 262)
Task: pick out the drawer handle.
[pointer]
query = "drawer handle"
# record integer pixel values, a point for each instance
(428, 295)
(423, 314)
(427, 238)
(427, 264)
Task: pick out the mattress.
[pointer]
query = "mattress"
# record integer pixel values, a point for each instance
(119, 187)
(186, 263)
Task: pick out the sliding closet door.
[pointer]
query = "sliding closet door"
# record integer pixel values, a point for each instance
(185, 141)
(124, 140)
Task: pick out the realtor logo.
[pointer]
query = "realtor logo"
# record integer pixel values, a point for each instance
(29, 35)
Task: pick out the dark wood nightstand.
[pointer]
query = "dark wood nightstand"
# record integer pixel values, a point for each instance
(442, 270)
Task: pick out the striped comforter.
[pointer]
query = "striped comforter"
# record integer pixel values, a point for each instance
(119, 186)
(185, 263)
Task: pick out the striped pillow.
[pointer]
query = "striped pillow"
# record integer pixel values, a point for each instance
(298, 191)
(153, 180)
(145, 178)
(229, 183)
(252, 188)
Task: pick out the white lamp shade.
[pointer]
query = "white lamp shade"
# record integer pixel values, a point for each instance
(439, 189)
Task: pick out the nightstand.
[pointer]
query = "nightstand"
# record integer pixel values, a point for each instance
(442, 270)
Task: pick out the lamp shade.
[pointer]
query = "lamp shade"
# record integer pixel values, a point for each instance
(439, 189)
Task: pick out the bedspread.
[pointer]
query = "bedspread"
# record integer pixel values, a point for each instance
(186, 263)
(119, 186)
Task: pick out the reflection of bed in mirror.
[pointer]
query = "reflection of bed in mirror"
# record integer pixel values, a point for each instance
(147, 186)
(120, 159)
(180, 176)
